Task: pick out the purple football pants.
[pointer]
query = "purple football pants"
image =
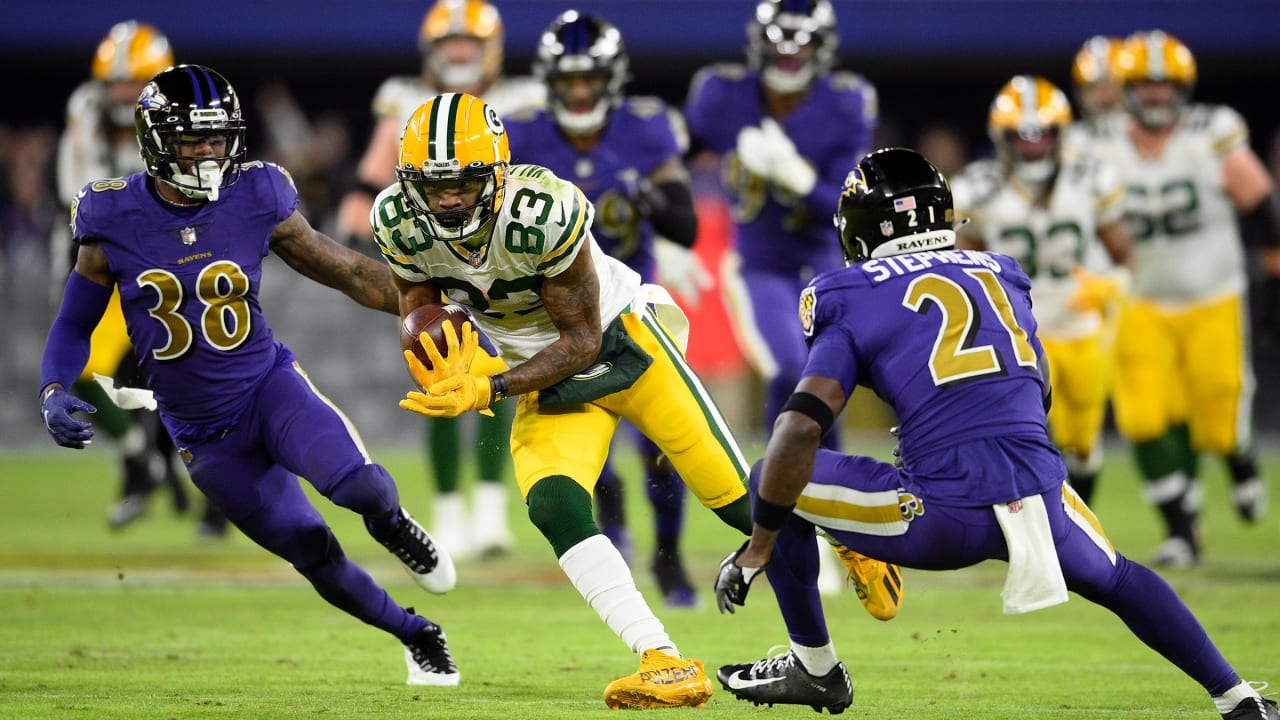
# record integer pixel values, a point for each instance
(948, 538)
(251, 472)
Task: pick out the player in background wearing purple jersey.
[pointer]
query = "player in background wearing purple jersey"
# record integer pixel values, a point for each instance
(947, 338)
(184, 242)
(625, 154)
(787, 129)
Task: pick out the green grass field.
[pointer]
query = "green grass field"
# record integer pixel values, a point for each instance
(155, 623)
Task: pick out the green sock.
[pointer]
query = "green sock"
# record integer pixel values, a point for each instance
(444, 453)
(561, 510)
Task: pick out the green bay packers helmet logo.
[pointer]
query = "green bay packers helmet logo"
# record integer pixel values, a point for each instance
(492, 119)
(808, 300)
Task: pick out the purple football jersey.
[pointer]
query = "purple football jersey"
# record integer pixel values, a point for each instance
(948, 340)
(637, 139)
(188, 280)
(831, 129)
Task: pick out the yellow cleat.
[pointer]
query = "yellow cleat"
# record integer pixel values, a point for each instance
(878, 584)
(662, 681)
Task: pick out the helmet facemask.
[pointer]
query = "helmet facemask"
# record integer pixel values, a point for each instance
(456, 222)
(791, 49)
(182, 110)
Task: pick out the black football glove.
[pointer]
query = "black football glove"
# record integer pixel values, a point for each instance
(733, 581)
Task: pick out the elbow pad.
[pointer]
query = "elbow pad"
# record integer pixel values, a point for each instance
(674, 218)
(1261, 225)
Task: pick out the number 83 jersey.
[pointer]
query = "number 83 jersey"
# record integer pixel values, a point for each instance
(1187, 247)
(543, 224)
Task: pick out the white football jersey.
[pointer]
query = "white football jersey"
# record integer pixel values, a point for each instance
(1047, 239)
(399, 96)
(89, 148)
(1187, 246)
(543, 224)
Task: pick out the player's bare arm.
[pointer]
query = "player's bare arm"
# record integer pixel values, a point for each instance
(572, 299)
(319, 257)
(91, 262)
(788, 461)
(1245, 179)
(414, 295)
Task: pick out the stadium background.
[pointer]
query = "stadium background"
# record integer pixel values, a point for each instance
(934, 63)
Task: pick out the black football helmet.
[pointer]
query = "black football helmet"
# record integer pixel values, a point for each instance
(894, 202)
(183, 104)
(577, 45)
(780, 30)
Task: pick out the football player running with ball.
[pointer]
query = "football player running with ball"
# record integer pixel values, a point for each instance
(625, 153)
(586, 342)
(947, 338)
(184, 242)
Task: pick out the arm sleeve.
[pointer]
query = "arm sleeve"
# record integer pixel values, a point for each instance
(67, 350)
(676, 220)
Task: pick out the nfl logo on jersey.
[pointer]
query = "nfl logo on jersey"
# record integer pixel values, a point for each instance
(886, 228)
(188, 235)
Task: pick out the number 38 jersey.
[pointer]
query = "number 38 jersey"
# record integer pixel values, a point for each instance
(543, 224)
(1187, 246)
(948, 340)
(1047, 239)
(188, 280)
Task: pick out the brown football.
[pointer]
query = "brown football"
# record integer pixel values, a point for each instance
(431, 319)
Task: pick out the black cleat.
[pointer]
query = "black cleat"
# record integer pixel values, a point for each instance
(782, 680)
(425, 561)
(428, 658)
(1254, 708)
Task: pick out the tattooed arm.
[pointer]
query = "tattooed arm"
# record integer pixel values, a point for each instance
(320, 258)
(572, 298)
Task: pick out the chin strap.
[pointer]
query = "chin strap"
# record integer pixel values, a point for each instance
(204, 185)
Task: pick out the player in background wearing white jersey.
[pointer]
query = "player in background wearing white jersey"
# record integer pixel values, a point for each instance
(1095, 91)
(461, 44)
(587, 344)
(100, 142)
(1063, 221)
(1184, 381)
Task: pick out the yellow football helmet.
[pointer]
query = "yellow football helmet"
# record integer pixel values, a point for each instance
(1155, 57)
(1032, 109)
(461, 18)
(131, 52)
(453, 148)
(1094, 76)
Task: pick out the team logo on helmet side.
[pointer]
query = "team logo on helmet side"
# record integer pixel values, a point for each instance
(493, 121)
(151, 98)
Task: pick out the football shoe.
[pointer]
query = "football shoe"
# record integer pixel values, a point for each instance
(428, 564)
(783, 680)
(878, 584)
(662, 681)
(1254, 708)
(428, 658)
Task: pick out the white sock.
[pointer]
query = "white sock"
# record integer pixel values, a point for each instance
(601, 576)
(1227, 701)
(818, 661)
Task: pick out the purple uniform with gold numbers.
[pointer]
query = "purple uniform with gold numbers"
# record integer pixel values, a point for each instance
(948, 340)
(246, 417)
(782, 241)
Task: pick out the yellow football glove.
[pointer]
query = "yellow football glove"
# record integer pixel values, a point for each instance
(484, 364)
(1097, 292)
(456, 360)
(452, 397)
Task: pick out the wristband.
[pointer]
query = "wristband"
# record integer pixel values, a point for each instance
(497, 388)
(771, 516)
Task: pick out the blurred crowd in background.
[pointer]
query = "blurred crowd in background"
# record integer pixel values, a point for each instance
(315, 120)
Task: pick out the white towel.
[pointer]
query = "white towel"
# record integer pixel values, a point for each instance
(126, 398)
(1035, 578)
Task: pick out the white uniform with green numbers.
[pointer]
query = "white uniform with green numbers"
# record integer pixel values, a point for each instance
(1187, 247)
(1048, 240)
(543, 224)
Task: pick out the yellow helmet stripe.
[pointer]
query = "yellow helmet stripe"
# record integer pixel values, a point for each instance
(442, 125)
